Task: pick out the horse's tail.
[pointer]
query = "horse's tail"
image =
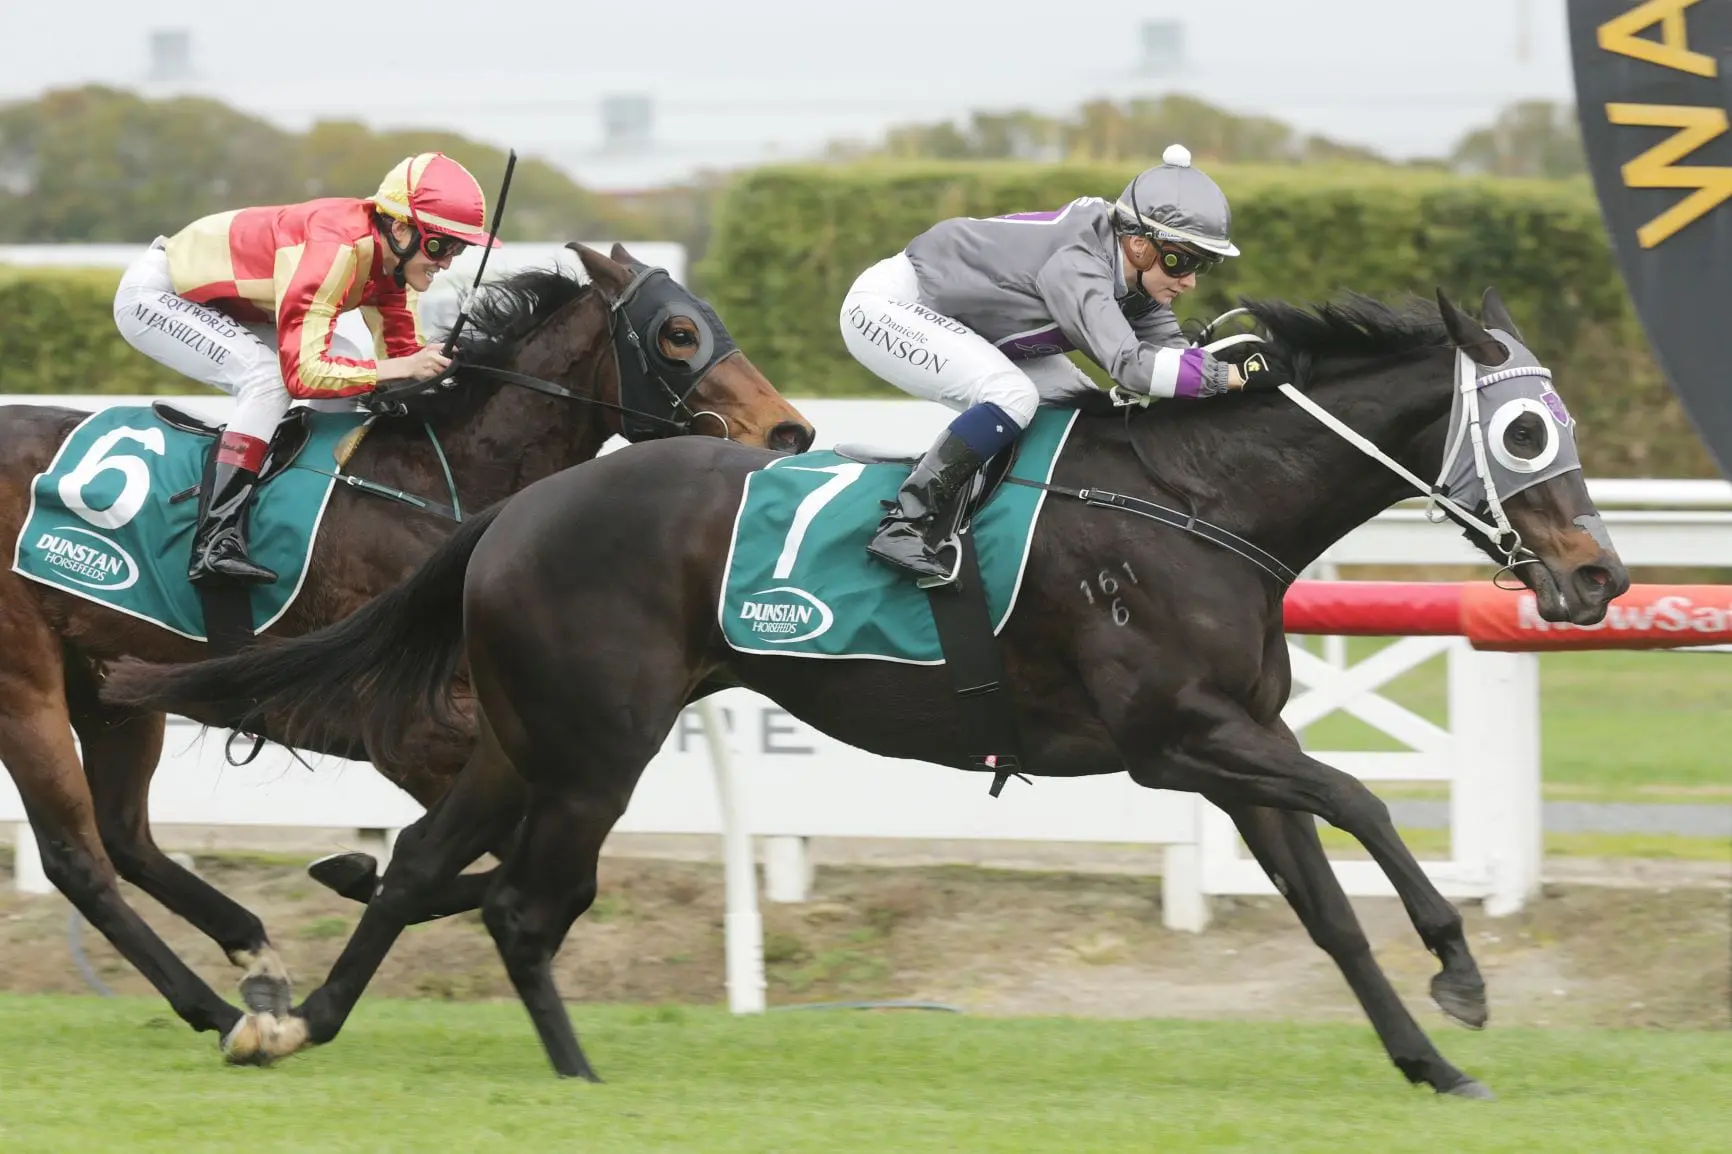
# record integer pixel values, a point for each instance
(397, 652)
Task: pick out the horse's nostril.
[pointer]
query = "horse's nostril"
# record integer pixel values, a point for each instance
(1594, 578)
(791, 437)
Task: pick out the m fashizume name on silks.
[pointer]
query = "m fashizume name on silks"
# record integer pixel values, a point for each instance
(799, 581)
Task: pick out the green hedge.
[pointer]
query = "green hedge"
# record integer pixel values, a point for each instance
(788, 241)
(57, 335)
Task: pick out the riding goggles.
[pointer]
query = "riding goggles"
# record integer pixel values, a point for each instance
(1178, 261)
(438, 246)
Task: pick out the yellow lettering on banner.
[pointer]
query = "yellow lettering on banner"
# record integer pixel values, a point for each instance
(1656, 168)
(1673, 49)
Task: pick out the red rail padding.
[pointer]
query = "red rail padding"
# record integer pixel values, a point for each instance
(1645, 617)
(1374, 608)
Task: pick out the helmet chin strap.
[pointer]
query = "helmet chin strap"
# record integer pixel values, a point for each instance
(1136, 281)
(401, 252)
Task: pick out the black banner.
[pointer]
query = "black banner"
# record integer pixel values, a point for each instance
(1653, 89)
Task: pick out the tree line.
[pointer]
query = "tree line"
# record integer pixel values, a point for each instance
(101, 164)
(98, 164)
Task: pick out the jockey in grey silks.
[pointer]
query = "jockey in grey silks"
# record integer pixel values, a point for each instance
(977, 314)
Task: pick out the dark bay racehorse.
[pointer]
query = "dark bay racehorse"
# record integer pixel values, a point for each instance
(575, 344)
(585, 608)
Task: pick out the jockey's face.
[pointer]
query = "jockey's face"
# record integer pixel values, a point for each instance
(1164, 288)
(1152, 281)
(419, 269)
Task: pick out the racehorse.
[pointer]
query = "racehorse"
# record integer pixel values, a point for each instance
(550, 366)
(586, 608)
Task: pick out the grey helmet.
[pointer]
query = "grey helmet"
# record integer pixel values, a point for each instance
(1175, 202)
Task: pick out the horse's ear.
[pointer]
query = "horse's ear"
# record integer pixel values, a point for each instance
(1469, 335)
(620, 255)
(602, 271)
(1495, 315)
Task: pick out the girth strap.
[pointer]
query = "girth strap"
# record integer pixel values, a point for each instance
(964, 623)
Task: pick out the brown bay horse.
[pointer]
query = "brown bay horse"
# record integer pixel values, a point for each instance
(591, 360)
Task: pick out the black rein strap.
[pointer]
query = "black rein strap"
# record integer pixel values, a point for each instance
(391, 401)
(1188, 523)
(1185, 522)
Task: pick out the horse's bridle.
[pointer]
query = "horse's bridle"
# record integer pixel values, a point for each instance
(628, 345)
(1500, 535)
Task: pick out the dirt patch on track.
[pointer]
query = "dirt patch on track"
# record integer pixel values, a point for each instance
(989, 941)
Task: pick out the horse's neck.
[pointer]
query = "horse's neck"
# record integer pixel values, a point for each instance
(1283, 480)
(1328, 487)
(516, 435)
(515, 438)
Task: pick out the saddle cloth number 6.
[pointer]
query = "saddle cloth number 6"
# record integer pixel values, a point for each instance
(96, 461)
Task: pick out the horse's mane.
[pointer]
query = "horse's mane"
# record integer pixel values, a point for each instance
(501, 315)
(503, 312)
(1296, 337)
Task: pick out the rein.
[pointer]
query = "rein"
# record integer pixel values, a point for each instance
(391, 402)
(1501, 535)
(679, 418)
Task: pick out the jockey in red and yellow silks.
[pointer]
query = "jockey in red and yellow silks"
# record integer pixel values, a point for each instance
(248, 301)
(296, 267)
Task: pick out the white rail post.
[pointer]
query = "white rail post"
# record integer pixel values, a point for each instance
(787, 868)
(1495, 801)
(381, 843)
(1184, 903)
(743, 926)
(28, 876)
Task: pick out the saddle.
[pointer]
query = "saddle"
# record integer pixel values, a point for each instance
(290, 437)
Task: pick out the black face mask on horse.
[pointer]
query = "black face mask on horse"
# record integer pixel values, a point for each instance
(653, 385)
(655, 382)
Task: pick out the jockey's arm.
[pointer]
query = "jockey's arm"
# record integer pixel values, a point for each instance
(309, 295)
(396, 323)
(1078, 289)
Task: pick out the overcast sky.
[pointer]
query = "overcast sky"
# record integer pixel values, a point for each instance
(749, 80)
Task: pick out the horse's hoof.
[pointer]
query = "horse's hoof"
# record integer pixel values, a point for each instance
(244, 1044)
(267, 994)
(1465, 1002)
(260, 1039)
(265, 987)
(351, 875)
(1468, 1088)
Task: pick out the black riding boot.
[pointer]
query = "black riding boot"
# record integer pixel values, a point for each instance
(219, 544)
(917, 523)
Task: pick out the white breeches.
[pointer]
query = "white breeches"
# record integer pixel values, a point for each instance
(931, 356)
(211, 347)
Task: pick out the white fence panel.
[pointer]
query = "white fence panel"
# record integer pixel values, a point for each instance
(791, 782)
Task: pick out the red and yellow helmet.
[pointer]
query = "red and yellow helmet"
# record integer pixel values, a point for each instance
(437, 195)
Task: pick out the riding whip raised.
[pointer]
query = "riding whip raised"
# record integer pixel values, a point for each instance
(481, 266)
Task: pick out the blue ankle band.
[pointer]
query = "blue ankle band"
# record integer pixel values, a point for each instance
(986, 429)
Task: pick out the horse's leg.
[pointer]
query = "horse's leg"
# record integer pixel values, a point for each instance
(1288, 848)
(121, 751)
(1229, 755)
(466, 891)
(36, 746)
(546, 883)
(481, 806)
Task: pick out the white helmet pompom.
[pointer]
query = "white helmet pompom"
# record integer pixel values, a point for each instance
(1177, 155)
